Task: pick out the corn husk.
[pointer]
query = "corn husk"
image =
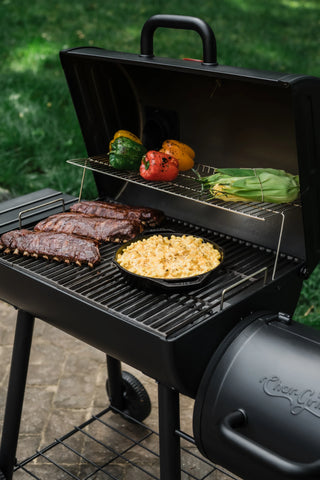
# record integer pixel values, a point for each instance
(252, 185)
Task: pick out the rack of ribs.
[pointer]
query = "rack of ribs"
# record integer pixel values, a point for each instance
(56, 246)
(90, 226)
(147, 216)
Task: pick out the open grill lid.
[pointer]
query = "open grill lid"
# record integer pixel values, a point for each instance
(232, 117)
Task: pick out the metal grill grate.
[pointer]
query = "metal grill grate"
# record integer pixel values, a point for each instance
(168, 313)
(131, 452)
(186, 186)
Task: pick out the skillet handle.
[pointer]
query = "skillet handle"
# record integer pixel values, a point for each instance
(288, 468)
(180, 22)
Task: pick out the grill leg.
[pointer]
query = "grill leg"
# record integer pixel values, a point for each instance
(115, 382)
(15, 394)
(169, 422)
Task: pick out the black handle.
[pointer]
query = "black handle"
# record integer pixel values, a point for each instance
(180, 22)
(272, 460)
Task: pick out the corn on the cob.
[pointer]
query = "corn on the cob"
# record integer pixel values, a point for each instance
(253, 185)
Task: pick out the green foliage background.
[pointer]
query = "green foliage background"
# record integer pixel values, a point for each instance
(38, 127)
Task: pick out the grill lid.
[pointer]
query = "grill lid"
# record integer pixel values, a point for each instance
(232, 117)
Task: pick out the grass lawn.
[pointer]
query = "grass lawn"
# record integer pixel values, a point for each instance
(39, 129)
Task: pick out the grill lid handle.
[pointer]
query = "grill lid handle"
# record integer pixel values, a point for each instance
(286, 467)
(184, 23)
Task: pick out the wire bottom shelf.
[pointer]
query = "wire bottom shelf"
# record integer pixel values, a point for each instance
(131, 452)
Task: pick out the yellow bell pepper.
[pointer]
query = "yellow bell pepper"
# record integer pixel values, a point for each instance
(126, 134)
(182, 152)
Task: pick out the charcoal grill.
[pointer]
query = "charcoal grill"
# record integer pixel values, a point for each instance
(231, 117)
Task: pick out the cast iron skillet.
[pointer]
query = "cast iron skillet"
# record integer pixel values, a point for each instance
(170, 285)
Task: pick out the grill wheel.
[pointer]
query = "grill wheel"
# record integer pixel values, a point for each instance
(136, 399)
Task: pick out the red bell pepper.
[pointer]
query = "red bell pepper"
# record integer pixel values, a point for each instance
(159, 166)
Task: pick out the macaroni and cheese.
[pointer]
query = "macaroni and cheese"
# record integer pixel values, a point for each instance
(169, 258)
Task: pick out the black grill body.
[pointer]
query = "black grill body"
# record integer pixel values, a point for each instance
(160, 334)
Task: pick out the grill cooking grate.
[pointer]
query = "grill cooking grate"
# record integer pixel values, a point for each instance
(164, 313)
(132, 452)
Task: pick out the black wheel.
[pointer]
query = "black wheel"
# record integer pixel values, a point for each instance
(136, 399)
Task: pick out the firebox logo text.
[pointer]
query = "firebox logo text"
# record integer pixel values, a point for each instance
(300, 399)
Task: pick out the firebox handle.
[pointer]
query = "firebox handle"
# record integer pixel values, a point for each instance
(272, 460)
(184, 23)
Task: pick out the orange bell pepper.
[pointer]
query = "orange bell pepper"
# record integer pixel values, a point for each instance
(182, 152)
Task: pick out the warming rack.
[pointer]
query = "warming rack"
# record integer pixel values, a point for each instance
(185, 186)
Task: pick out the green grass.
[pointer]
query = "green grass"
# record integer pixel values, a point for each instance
(308, 308)
(39, 130)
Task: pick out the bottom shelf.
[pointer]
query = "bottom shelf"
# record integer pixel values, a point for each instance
(110, 446)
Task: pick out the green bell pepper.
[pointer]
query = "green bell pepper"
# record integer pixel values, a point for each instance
(125, 154)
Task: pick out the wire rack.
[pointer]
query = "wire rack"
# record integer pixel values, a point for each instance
(186, 186)
(131, 453)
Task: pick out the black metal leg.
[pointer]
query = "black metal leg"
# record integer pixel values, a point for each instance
(15, 394)
(115, 383)
(169, 422)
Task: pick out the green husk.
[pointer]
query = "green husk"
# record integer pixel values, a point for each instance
(252, 184)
